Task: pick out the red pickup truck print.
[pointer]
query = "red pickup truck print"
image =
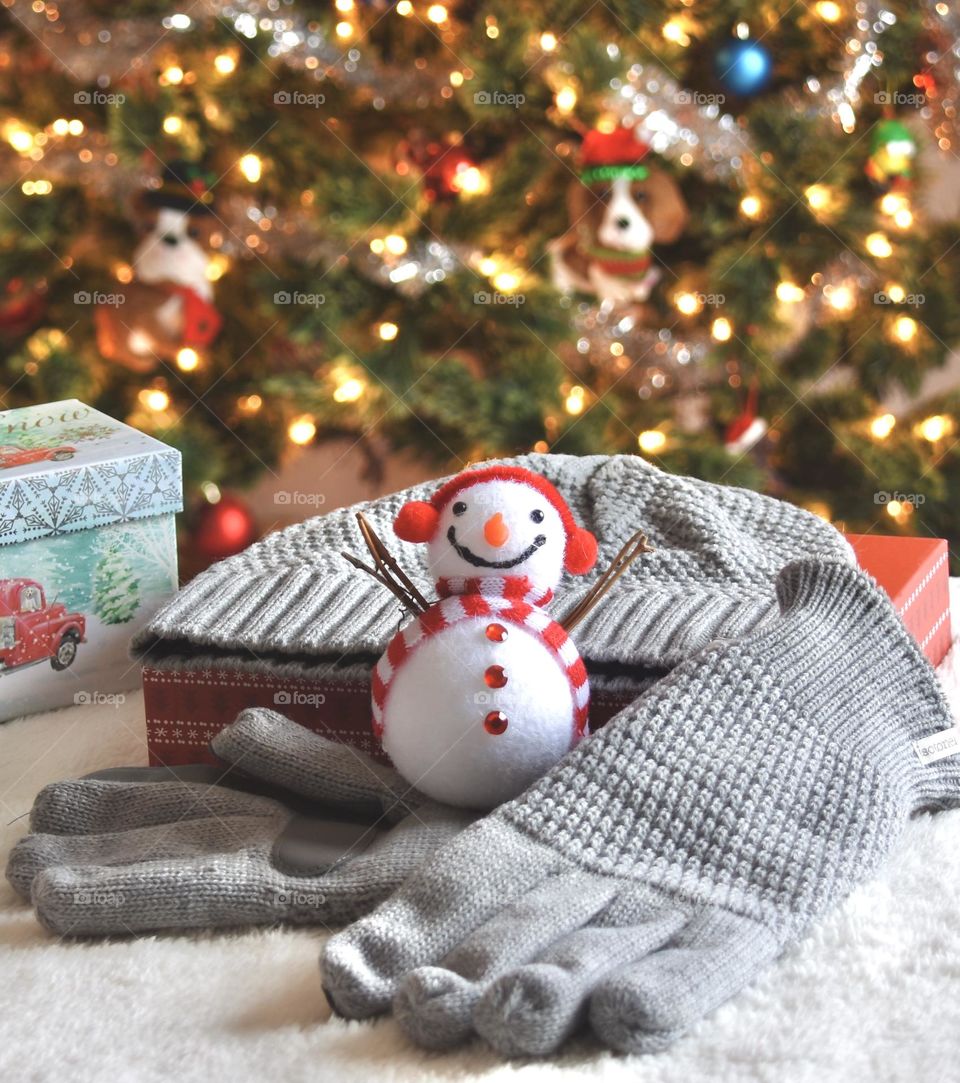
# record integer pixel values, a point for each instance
(11, 455)
(33, 631)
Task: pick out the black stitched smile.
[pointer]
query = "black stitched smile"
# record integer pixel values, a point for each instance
(481, 562)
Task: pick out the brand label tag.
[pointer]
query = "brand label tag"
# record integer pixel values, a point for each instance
(938, 745)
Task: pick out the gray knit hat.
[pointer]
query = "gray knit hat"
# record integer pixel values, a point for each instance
(718, 551)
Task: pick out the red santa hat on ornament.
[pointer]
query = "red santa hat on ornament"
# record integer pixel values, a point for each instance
(418, 520)
(606, 155)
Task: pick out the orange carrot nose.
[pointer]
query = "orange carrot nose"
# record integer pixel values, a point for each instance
(496, 531)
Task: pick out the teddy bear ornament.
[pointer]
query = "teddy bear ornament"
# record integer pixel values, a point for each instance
(483, 691)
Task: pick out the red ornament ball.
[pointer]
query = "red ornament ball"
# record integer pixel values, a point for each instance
(223, 528)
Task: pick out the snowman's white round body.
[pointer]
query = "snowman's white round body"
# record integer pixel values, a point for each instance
(478, 698)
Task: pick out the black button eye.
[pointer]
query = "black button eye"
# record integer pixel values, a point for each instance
(537, 516)
(459, 508)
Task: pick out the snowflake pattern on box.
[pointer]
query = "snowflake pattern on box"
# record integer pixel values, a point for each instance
(81, 497)
(65, 467)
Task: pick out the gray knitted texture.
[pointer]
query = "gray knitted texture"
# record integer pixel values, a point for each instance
(718, 551)
(135, 849)
(675, 853)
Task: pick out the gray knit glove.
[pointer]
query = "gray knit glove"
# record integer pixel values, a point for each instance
(673, 855)
(295, 828)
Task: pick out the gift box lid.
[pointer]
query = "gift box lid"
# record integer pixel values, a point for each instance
(66, 467)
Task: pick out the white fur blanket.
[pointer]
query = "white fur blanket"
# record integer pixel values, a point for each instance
(873, 995)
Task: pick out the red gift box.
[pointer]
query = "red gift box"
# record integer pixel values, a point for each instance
(188, 703)
(189, 700)
(915, 573)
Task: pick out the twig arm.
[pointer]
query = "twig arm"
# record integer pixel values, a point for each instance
(386, 570)
(635, 546)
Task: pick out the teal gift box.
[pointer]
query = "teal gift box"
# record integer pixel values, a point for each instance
(88, 552)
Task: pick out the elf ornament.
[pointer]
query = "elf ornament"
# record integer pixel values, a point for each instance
(620, 207)
(169, 304)
(482, 692)
(893, 149)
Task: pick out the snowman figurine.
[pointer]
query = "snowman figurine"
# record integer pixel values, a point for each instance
(483, 692)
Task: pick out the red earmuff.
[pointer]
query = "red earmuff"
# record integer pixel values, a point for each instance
(581, 552)
(417, 521)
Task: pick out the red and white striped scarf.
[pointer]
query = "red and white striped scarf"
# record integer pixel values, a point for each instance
(505, 608)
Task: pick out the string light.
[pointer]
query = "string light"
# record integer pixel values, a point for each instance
(470, 181)
(819, 196)
(18, 137)
(548, 41)
(506, 281)
(61, 126)
(344, 5)
(721, 329)
(899, 510)
(36, 188)
(878, 245)
(488, 266)
(217, 267)
(820, 509)
(437, 13)
(790, 293)
(935, 428)
(154, 398)
(841, 298)
(387, 331)
(395, 244)
(249, 404)
(302, 429)
(687, 303)
(172, 75)
(187, 359)
(904, 329)
(173, 124)
(892, 202)
(829, 11)
(651, 441)
(882, 426)
(348, 391)
(344, 30)
(405, 8)
(566, 99)
(675, 30)
(750, 206)
(225, 63)
(251, 167)
(895, 292)
(211, 492)
(903, 219)
(575, 401)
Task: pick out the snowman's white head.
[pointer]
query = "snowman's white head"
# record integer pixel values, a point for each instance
(497, 522)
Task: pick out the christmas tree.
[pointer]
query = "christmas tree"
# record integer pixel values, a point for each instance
(116, 588)
(371, 195)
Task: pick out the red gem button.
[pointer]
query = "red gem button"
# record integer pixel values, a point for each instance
(496, 632)
(495, 677)
(495, 723)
